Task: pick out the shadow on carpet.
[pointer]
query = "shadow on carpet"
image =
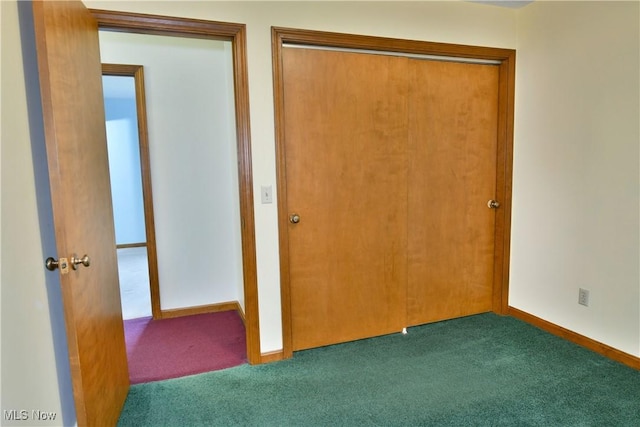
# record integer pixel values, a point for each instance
(172, 348)
(482, 370)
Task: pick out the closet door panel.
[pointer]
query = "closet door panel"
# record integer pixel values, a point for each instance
(453, 116)
(346, 133)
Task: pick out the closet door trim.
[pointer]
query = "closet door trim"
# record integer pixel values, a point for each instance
(398, 54)
(506, 58)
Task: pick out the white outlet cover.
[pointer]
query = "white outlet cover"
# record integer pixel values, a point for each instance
(266, 194)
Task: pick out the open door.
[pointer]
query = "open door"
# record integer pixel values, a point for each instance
(73, 111)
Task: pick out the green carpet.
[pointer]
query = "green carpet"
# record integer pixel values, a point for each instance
(476, 371)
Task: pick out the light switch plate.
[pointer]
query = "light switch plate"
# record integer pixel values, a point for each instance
(266, 194)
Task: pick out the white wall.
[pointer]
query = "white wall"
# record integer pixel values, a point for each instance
(451, 22)
(192, 148)
(576, 187)
(35, 364)
(124, 164)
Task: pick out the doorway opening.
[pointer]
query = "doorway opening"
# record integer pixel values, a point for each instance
(182, 30)
(129, 168)
(133, 272)
(187, 133)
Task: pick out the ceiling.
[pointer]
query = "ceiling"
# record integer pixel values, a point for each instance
(513, 4)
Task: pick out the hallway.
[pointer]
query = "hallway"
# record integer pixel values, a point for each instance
(133, 271)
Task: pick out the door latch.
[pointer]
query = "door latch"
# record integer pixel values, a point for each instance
(53, 264)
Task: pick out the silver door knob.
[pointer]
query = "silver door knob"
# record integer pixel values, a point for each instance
(75, 262)
(52, 264)
(294, 218)
(493, 204)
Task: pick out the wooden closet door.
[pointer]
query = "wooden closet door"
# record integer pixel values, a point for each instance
(346, 178)
(453, 119)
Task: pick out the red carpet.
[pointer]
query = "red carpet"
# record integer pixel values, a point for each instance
(170, 348)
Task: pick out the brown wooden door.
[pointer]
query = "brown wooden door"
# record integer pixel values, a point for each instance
(346, 159)
(75, 137)
(390, 163)
(452, 175)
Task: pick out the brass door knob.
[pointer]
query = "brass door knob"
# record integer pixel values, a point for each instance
(493, 204)
(75, 262)
(294, 218)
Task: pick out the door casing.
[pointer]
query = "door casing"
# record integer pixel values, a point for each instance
(137, 72)
(506, 57)
(236, 34)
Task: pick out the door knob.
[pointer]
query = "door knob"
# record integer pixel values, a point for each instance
(493, 204)
(52, 264)
(75, 262)
(294, 218)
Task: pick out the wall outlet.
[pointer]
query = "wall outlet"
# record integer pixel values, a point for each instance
(583, 297)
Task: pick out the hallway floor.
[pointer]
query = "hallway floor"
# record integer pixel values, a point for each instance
(133, 271)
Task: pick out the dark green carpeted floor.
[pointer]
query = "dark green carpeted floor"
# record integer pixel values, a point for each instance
(474, 371)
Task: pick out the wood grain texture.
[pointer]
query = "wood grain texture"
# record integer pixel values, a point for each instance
(504, 155)
(345, 132)
(355, 41)
(236, 33)
(243, 135)
(137, 72)
(281, 181)
(504, 173)
(201, 309)
(272, 356)
(166, 25)
(452, 174)
(131, 245)
(75, 137)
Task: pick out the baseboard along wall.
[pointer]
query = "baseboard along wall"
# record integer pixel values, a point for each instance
(201, 309)
(274, 356)
(603, 349)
